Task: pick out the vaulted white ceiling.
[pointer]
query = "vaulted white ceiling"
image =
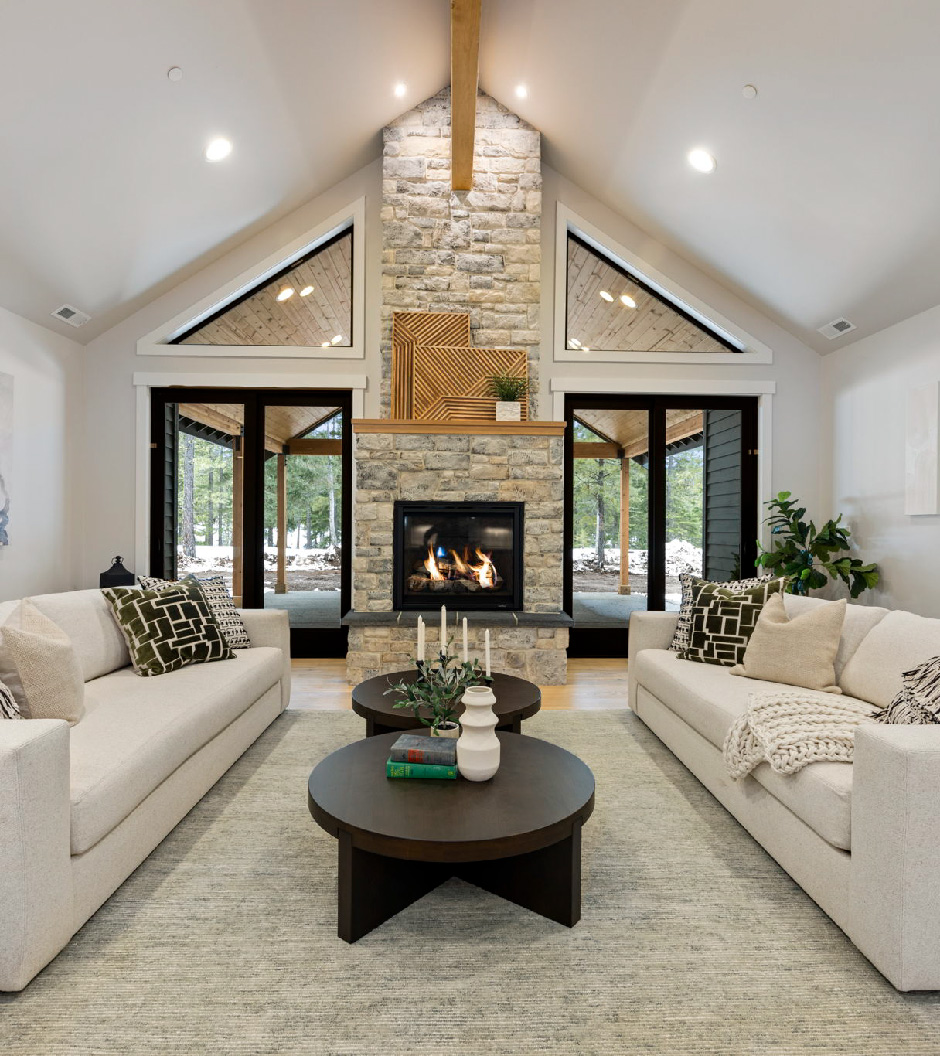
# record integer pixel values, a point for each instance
(826, 200)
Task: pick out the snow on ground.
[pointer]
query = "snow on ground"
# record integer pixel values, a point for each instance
(220, 557)
(681, 556)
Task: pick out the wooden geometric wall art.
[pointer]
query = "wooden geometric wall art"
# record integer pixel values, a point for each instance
(411, 330)
(453, 383)
(921, 470)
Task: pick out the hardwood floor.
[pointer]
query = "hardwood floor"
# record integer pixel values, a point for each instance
(595, 683)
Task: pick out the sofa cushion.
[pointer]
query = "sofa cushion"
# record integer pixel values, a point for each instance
(137, 731)
(859, 620)
(87, 619)
(709, 699)
(795, 650)
(167, 629)
(898, 643)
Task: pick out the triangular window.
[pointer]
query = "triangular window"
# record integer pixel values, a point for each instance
(611, 308)
(306, 303)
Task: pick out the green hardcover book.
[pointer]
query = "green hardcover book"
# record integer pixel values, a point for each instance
(394, 769)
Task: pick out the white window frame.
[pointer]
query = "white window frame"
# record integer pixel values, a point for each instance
(157, 342)
(753, 350)
(144, 382)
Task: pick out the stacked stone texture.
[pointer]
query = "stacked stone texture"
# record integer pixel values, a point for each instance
(454, 468)
(476, 251)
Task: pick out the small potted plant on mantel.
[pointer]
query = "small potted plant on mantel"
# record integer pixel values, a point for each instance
(509, 390)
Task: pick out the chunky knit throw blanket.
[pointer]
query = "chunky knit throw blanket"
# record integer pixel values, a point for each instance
(790, 728)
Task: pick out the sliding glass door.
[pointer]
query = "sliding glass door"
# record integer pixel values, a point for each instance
(253, 486)
(655, 486)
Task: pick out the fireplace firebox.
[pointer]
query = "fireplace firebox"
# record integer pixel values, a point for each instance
(467, 555)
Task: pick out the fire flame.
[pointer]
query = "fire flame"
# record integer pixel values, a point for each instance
(431, 565)
(485, 571)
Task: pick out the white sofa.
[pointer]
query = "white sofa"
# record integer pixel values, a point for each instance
(862, 839)
(81, 807)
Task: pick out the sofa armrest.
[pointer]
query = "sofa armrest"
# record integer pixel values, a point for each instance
(35, 868)
(895, 885)
(647, 630)
(271, 627)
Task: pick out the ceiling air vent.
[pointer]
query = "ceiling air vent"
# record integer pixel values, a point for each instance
(71, 315)
(836, 328)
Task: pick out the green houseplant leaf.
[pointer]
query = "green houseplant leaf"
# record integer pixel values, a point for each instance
(807, 556)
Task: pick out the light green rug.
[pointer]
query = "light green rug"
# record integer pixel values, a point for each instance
(692, 940)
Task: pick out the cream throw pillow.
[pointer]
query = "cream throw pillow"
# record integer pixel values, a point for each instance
(48, 673)
(797, 652)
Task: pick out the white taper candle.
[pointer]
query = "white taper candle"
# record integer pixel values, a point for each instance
(486, 643)
(466, 650)
(421, 639)
(443, 630)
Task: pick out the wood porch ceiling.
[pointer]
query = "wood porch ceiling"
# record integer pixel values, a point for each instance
(629, 430)
(610, 326)
(281, 425)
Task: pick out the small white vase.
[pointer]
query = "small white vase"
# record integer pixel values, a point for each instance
(451, 731)
(478, 745)
(508, 411)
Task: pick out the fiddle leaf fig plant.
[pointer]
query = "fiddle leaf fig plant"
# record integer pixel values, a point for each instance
(809, 556)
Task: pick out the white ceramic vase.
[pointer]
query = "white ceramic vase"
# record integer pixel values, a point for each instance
(508, 410)
(478, 745)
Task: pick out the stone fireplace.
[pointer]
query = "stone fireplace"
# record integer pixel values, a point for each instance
(476, 252)
(426, 462)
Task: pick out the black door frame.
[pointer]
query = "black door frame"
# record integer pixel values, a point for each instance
(656, 405)
(305, 642)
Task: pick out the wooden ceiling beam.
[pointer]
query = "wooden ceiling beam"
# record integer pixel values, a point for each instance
(464, 76)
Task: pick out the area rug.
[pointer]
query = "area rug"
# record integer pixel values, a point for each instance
(692, 940)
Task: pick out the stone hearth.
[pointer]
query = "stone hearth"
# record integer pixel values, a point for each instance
(459, 462)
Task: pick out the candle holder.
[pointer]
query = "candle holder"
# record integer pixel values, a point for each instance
(434, 696)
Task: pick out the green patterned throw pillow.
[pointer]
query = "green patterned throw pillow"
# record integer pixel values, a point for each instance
(723, 620)
(166, 629)
(215, 593)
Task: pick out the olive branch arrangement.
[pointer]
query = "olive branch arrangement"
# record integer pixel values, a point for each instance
(438, 688)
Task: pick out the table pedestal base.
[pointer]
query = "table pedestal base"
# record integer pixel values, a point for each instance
(373, 888)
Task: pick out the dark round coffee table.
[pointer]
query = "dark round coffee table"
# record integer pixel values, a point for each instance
(516, 699)
(517, 835)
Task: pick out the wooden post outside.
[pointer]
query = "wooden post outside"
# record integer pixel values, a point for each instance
(238, 520)
(280, 587)
(624, 587)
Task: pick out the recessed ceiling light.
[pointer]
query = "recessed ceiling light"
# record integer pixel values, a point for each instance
(607, 296)
(218, 148)
(749, 91)
(174, 73)
(701, 160)
(286, 293)
(400, 89)
(336, 340)
(627, 301)
(306, 291)
(521, 91)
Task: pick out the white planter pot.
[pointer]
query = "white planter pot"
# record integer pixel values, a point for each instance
(478, 745)
(508, 411)
(452, 731)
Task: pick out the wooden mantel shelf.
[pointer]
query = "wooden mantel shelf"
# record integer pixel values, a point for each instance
(457, 426)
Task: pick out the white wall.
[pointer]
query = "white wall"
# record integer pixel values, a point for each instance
(109, 417)
(796, 369)
(866, 385)
(45, 532)
(112, 361)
